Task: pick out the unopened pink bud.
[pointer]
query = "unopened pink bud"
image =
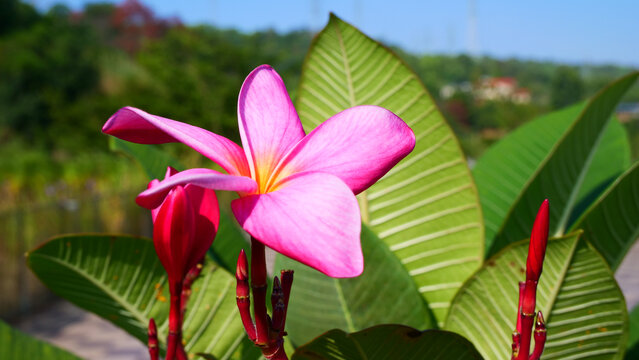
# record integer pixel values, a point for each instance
(241, 271)
(541, 324)
(540, 337)
(153, 330)
(173, 233)
(184, 227)
(538, 242)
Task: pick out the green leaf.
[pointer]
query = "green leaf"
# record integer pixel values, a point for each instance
(558, 177)
(426, 208)
(611, 224)
(17, 345)
(388, 342)
(384, 293)
(610, 159)
(499, 178)
(154, 161)
(503, 171)
(633, 338)
(121, 279)
(578, 295)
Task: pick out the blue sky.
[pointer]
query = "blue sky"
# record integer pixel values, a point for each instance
(571, 31)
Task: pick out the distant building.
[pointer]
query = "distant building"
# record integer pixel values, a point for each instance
(521, 96)
(501, 88)
(489, 89)
(449, 90)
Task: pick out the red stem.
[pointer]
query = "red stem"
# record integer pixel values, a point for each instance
(521, 301)
(516, 344)
(190, 277)
(279, 353)
(175, 320)
(242, 295)
(267, 334)
(153, 340)
(540, 337)
(277, 302)
(526, 317)
(524, 348)
(287, 283)
(258, 284)
(181, 353)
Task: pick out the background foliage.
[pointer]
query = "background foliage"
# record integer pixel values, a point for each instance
(68, 71)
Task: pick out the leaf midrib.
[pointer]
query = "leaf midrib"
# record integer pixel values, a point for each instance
(344, 306)
(561, 227)
(347, 70)
(362, 199)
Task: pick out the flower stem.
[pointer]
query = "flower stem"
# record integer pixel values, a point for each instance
(265, 333)
(280, 354)
(540, 337)
(243, 295)
(190, 277)
(153, 340)
(277, 302)
(175, 320)
(287, 283)
(258, 284)
(528, 292)
(181, 353)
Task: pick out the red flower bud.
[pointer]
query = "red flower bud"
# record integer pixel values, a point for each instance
(538, 242)
(173, 233)
(241, 271)
(540, 337)
(184, 227)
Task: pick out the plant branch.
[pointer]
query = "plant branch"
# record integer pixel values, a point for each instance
(258, 285)
(153, 340)
(242, 295)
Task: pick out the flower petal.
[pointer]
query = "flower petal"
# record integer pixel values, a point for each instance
(313, 218)
(137, 126)
(206, 178)
(359, 145)
(170, 171)
(154, 212)
(173, 232)
(207, 220)
(269, 125)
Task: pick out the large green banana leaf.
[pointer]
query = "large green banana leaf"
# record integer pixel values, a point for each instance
(121, 279)
(426, 208)
(584, 308)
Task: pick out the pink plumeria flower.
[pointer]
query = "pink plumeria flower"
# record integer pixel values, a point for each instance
(296, 190)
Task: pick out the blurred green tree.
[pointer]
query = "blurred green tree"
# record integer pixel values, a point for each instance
(15, 15)
(567, 87)
(53, 65)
